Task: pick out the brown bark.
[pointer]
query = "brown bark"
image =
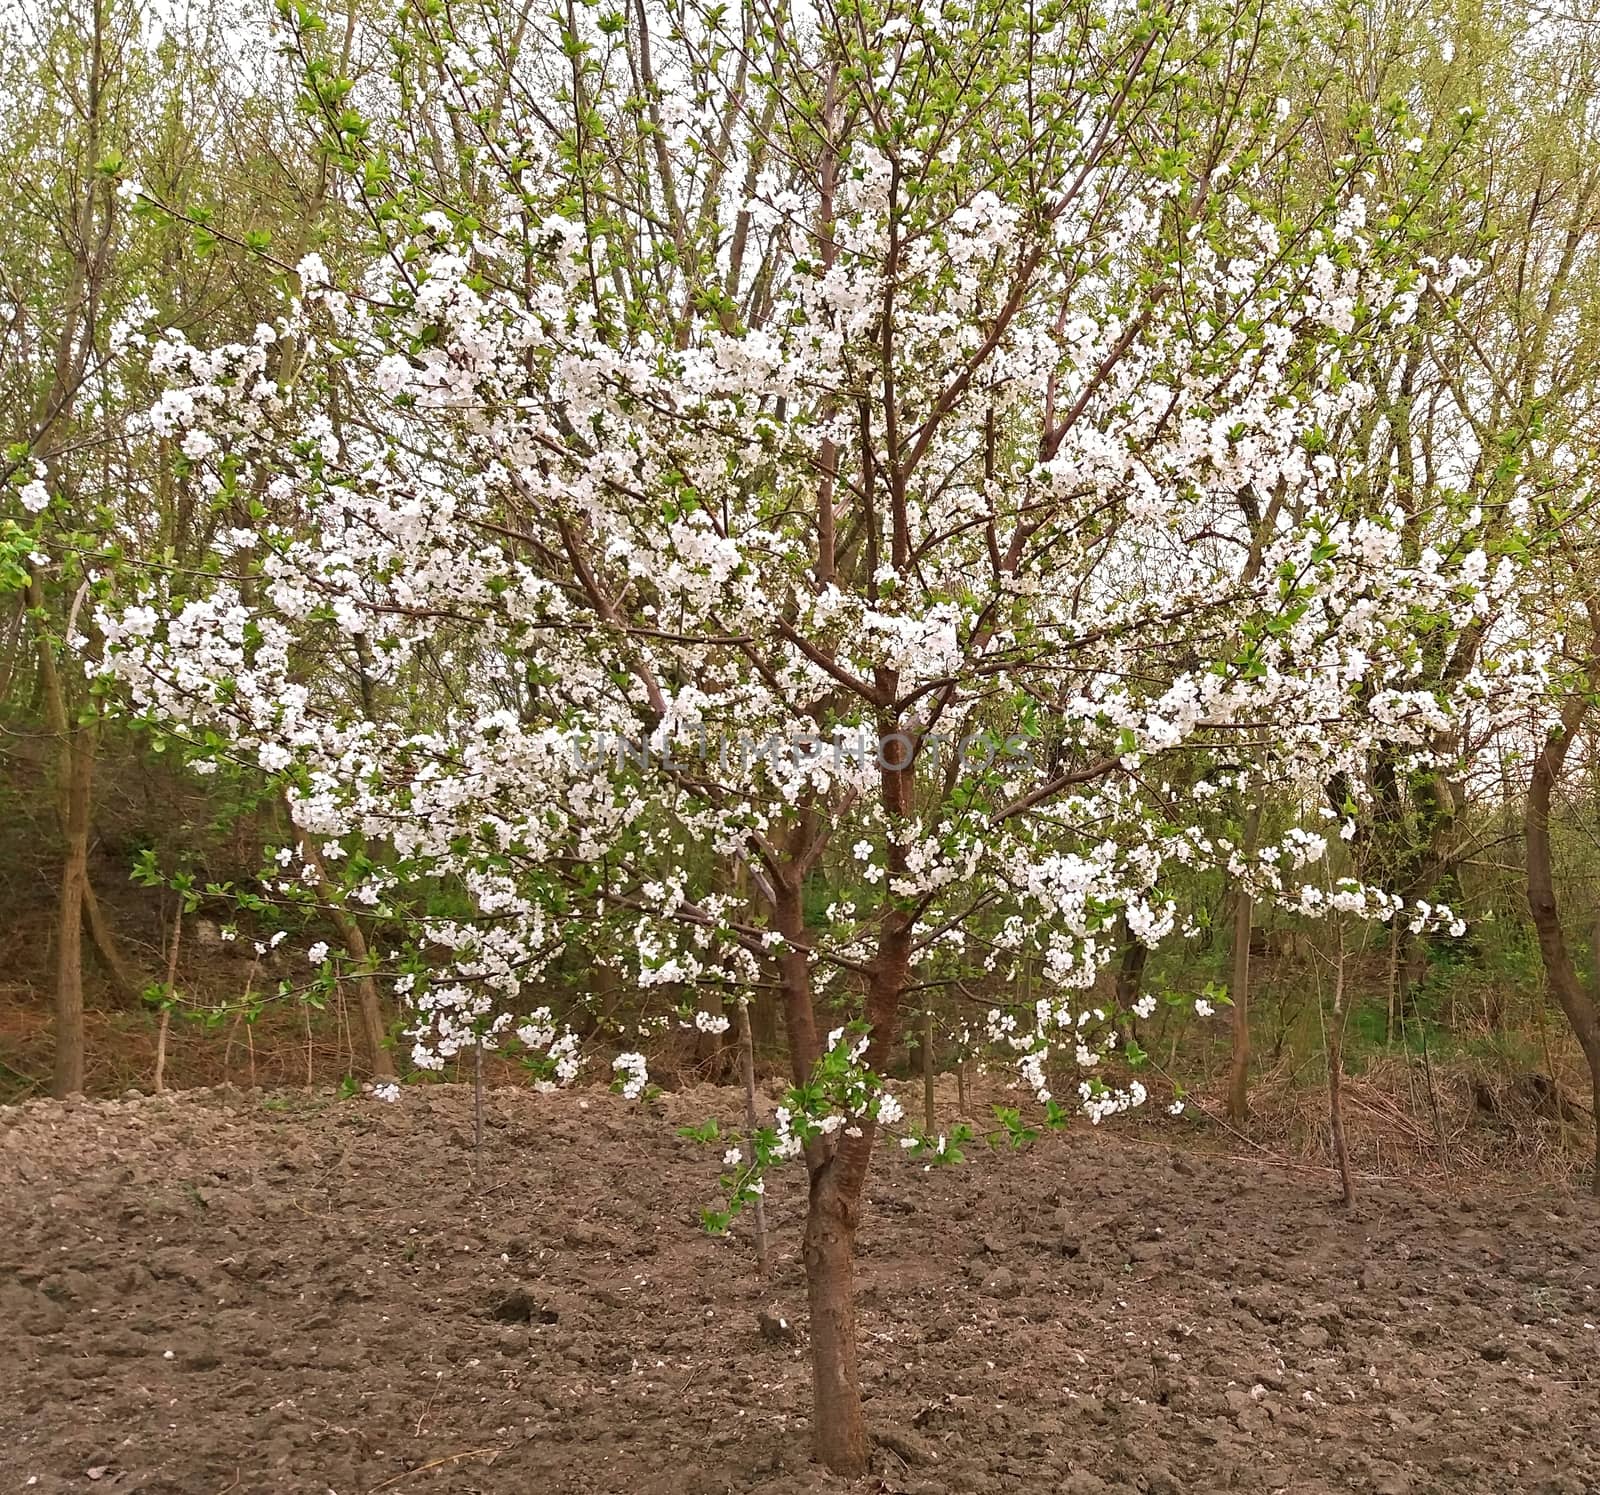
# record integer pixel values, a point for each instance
(67, 1077)
(1243, 916)
(166, 1004)
(764, 1014)
(369, 1005)
(1594, 956)
(74, 770)
(837, 1182)
(1130, 970)
(124, 974)
(713, 1052)
(1341, 1151)
(1579, 1007)
(929, 1118)
(794, 980)
(837, 1168)
(477, 1099)
(1414, 966)
(1239, 1058)
(747, 1073)
(839, 1438)
(840, 1429)
(1392, 986)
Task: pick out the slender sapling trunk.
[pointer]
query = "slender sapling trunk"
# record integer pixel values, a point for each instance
(747, 1073)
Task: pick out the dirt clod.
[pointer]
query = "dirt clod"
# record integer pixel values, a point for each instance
(776, 1326)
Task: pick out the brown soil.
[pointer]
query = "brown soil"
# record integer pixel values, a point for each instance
(225, 1292)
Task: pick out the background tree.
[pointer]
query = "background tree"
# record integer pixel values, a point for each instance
(101, 98)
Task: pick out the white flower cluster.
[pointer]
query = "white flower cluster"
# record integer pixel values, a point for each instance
(1107, 1101)
(631, 1070)
(559, 1048)
(789, 1144)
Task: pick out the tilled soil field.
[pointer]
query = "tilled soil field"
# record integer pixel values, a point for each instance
(230, 1293)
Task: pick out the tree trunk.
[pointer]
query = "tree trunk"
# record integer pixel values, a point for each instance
(839, 1433)
(1130, 970)
(747, 1073)
(78, 752)
(1335, 1047)
(311, 1049)
(124, 974)
(1391, 987)
(477, 1099)
(794, 981)
(1243, 917)
(712, 1050)
(840, 1436)
(1413, 973)
(1239, 1057)
(168, 997)
(1576, 1003)
(165, 1023)
(368, 1003)
(764, 1016)
(75, 749)
(929, 1117)
(838, 1177)
(837, 1183)
(1594, 957)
